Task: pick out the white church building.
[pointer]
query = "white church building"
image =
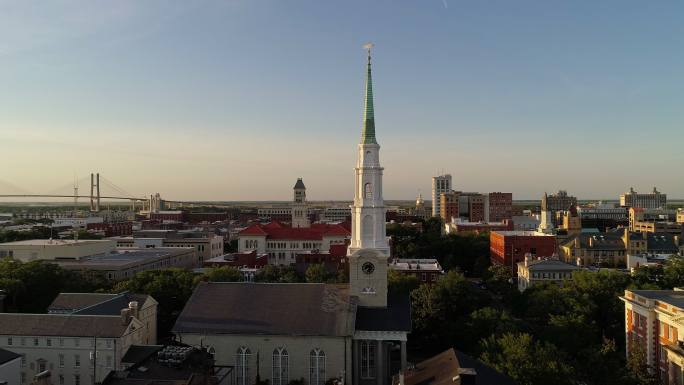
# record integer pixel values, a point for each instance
(355, 333)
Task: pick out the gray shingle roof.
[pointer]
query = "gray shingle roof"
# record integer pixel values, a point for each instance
(395, 317)
(69, 302)
(94, 303)
(268, 308)
(550, 264)
(673, 297)
(7, 356)
(61, 325)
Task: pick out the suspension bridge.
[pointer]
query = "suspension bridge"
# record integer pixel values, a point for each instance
(98, 184)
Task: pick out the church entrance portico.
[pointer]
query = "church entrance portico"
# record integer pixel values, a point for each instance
(373, 353)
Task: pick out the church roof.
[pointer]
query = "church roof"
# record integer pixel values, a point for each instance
(368, 132)
(395, 317)
(295, 309)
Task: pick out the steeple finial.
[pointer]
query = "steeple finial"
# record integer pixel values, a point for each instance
(368, 133)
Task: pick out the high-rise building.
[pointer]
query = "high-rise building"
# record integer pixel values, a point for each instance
(440, 184)
(500, 206)
(448, 206)
(654, 200)
(300, 210)
(559, 201)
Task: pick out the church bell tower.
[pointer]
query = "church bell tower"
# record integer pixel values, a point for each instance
(368, 251)
(300, 209)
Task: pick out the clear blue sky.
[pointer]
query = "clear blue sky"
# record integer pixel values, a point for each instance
(234, 100)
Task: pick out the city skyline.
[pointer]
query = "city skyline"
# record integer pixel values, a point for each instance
(200, 114)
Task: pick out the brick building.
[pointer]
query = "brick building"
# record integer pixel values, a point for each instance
(426, 270)
(500, 206)
(653, 320)
(510, 247)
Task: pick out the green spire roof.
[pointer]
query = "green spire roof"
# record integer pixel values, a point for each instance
(368, 133)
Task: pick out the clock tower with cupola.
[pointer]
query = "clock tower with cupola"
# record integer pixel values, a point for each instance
(368, 250)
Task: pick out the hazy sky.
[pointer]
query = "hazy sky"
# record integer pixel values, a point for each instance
(234, 100)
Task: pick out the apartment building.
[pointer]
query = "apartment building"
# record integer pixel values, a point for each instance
(82, 339)
(653, 321)
(207, 244)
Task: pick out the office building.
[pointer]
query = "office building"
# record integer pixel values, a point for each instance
(124, 263)
(653, 200)
(440, 185)
(559, 201)
(206, 244)
(653, 321)
(426, 270)
(540, 271)
(77, 347)
(54, 249)
(500, 206)
(510, 247)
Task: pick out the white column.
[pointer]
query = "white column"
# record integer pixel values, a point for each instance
(403, 356)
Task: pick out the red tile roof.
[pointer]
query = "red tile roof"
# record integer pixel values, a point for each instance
(277, 230)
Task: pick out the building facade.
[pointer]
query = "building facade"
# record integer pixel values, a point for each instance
(206, 244)
(282, 243)
(510, 247)
(440, 184)
(652, 200)
(52, 249)
(559, 201)
(426, 270)
(500, 206)
(80, 346)
(653, 321)
(535, 271)
(448, 206)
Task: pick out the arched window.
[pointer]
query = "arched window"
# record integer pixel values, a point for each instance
(317, 367)
(242, 365)
(367, 191)
(280, 367)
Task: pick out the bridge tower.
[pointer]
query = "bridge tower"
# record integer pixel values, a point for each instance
(94, 189)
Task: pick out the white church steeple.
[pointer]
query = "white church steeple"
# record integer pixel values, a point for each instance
(368, 251)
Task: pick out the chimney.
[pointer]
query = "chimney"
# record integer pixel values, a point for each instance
(528, 258)
(125, 316)
(579, 261)
(133, 306)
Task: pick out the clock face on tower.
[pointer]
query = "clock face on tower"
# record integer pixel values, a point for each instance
(368, 268)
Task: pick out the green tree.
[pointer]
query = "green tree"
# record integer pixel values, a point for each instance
(223, 274)
(282, 274)
(316, 273)
(525, 360)
(638, 367)
(674, 272)
(171, 288)
(448, 301)
(401, 283)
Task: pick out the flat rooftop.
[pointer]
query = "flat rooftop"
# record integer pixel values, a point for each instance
(122, 258)
(522, 233)
(672, 297)
(427, 264)
(55, 242)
